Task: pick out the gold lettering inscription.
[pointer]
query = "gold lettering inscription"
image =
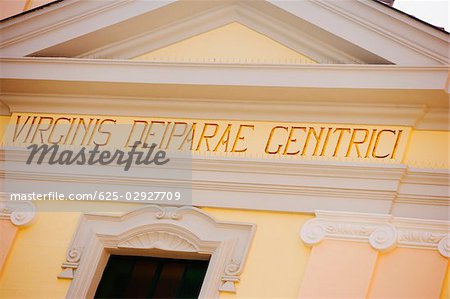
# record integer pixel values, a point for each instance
(257, 138)
(240, 137)
(272, 132)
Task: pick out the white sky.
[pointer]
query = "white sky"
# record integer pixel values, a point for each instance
(435, 12)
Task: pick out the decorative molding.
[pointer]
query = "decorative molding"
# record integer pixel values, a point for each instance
(18, 39)
(351, 13)
(423, 193)
(170, 229)
(407, 20)
(350, 226)
(257, 15)
(382, 232)
(427, 176)
(253, 183)
(230, 182)
(444, 246)
(20, 213)
(268, 75)
(379, 31)
(383, 238)
(78, 19)
(147, 41)
(309, 92)
(422, 32)
(422, 233)
(416, 116)
(244, 13)
(159, 240)
(231, 277)
(324, 112)
(419, 237)
(73, 257)
(171, 214)
(434, 119)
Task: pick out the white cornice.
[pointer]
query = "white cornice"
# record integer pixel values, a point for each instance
(320, 76)
(396, 31)
(325, 112)
(71, 21)
(434, 119)
(379, 34)
(406, 20)
(382, 232)
(366, 94)
(371, 29)
(147, 41)
(427, 176)
(258, 184)
(423, 192)
(243, 13)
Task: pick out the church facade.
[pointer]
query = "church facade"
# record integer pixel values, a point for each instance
(223, 149)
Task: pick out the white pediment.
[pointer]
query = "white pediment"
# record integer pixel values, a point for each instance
(109, 51)
(327, 32)
(232, 43)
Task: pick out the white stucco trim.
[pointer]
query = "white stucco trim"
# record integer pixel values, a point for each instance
(178, 230)
(318, 76)
(245, 13)
(418, 116)
(376, 29)
(323, 93)
(382, 232)
(273, 184)
(21, 37)
(380, 30)
(19, 213)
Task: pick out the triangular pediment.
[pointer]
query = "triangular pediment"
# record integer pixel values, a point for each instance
(326, 32)
(232, 43)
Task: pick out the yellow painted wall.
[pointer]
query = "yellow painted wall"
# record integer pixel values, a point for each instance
(445, 294)
(36, 256)
(39, 249)
(4, 120)
(35, 259)
(274, 269)
(428, 149)
(277, 258)
(34, 262)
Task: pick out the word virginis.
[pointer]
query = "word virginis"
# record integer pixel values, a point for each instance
(222, 137)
